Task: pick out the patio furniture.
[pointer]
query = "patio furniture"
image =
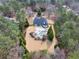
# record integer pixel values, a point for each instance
(32, 34)
(44, 37)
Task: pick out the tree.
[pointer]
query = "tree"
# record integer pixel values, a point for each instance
(67, 30)
(11, 33)
(5, 10)
(15, 5)
(21, 17)
(9, 36)
(69, 35)
(73, 55)
(23, 24)
(50, 34)
(10, 8)
(60, 2)
(53, 1)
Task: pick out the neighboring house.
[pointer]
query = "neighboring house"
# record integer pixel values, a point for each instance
(40, 27)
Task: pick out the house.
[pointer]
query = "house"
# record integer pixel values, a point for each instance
(40, 24)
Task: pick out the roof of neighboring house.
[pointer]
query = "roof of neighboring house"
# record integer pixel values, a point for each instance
(40, 21)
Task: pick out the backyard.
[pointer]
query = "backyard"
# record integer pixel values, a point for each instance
(39, 29)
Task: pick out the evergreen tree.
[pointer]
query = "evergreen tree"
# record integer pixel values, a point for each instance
(50, 34)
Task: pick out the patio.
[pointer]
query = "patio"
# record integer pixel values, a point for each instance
(33, 45)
